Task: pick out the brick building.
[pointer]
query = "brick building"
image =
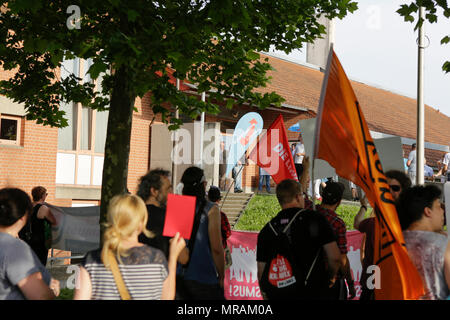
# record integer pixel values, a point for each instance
(69, 161)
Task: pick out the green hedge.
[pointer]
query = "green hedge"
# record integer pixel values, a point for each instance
(262, 208)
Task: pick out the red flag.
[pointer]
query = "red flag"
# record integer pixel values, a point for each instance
(272, 153)
(344, 141)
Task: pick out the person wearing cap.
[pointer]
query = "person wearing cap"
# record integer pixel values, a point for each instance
(412, 164)
(331, 199)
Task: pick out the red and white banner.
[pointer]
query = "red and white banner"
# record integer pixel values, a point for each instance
(272, 153)
(241, 279)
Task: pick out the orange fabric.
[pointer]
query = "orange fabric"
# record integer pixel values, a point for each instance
(343, 139)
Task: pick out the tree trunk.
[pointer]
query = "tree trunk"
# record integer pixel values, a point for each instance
(117, 145)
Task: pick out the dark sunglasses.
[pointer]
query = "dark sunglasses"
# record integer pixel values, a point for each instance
(394, 188)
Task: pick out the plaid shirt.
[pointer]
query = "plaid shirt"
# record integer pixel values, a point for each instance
(226, 228)
(338, 226)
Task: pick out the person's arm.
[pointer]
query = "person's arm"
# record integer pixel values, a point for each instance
(345, 264)
(33, 287)
(346, 271)
(177, 244)
(261, 266)
(83, 289)
(447, 265)
(334, 260)
(183, 258)
(361, 213)
(305, 175)
(215, 241)
(45, 212)
(410, 158)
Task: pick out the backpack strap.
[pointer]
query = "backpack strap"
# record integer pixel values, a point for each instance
(312, 267)
(292, 220)
(288, 225)
(285, 230)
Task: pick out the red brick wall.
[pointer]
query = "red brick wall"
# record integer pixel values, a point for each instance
(34, 162)
(140, 142)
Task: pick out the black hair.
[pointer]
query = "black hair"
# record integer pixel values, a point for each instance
(192, 180)
(151, 180)
(287, 190)
(332, 193)
(401, 177)
(14, 204)
(413, 201)
(192, 183)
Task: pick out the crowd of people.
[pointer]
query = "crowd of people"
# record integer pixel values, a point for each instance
(301, 252)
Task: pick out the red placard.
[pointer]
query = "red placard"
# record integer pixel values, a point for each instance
(179, 215)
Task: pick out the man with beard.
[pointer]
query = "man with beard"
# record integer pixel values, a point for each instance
(153, 189)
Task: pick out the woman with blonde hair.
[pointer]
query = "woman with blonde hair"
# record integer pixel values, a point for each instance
(125, 268)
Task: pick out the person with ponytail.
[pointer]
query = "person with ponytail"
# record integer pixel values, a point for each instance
(144, 271)
(22, 275)
(203, 275)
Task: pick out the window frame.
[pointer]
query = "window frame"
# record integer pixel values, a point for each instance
(77, 150)
(16, 142)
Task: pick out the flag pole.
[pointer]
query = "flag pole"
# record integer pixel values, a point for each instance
(420, 104)
(319, 118)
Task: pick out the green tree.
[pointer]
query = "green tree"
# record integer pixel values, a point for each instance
(407, 11)
(212, 43)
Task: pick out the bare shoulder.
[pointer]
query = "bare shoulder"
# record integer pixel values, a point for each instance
(214, 210)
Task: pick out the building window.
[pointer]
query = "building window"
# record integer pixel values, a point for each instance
(10, 129)
(81, 144)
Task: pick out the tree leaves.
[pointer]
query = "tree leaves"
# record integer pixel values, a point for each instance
(214, 43)
(430, 7)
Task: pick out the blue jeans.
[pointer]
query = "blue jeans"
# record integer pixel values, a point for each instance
(261, 181)
(237, 175)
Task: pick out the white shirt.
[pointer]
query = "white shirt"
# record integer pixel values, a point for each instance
(446, 161)
(412, 158)
(299, 148)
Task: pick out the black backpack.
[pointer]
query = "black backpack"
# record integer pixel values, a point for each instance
(282, 278)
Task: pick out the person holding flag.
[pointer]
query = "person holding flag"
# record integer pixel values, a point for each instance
(343, 139)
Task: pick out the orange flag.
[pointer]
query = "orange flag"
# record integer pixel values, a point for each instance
(343, 140)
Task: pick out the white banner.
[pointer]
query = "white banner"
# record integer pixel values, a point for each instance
(77, 228)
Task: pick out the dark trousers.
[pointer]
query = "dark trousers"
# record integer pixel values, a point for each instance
(299, 169)
(193, 290)
(339, 290)
(367, 294)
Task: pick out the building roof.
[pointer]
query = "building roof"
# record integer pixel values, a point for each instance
(385, 111)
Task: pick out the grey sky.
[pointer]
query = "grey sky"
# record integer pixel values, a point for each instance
(376, 46)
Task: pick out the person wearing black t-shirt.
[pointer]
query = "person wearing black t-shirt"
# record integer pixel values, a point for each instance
(35, 232)
(311, 239)
(153, 189)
